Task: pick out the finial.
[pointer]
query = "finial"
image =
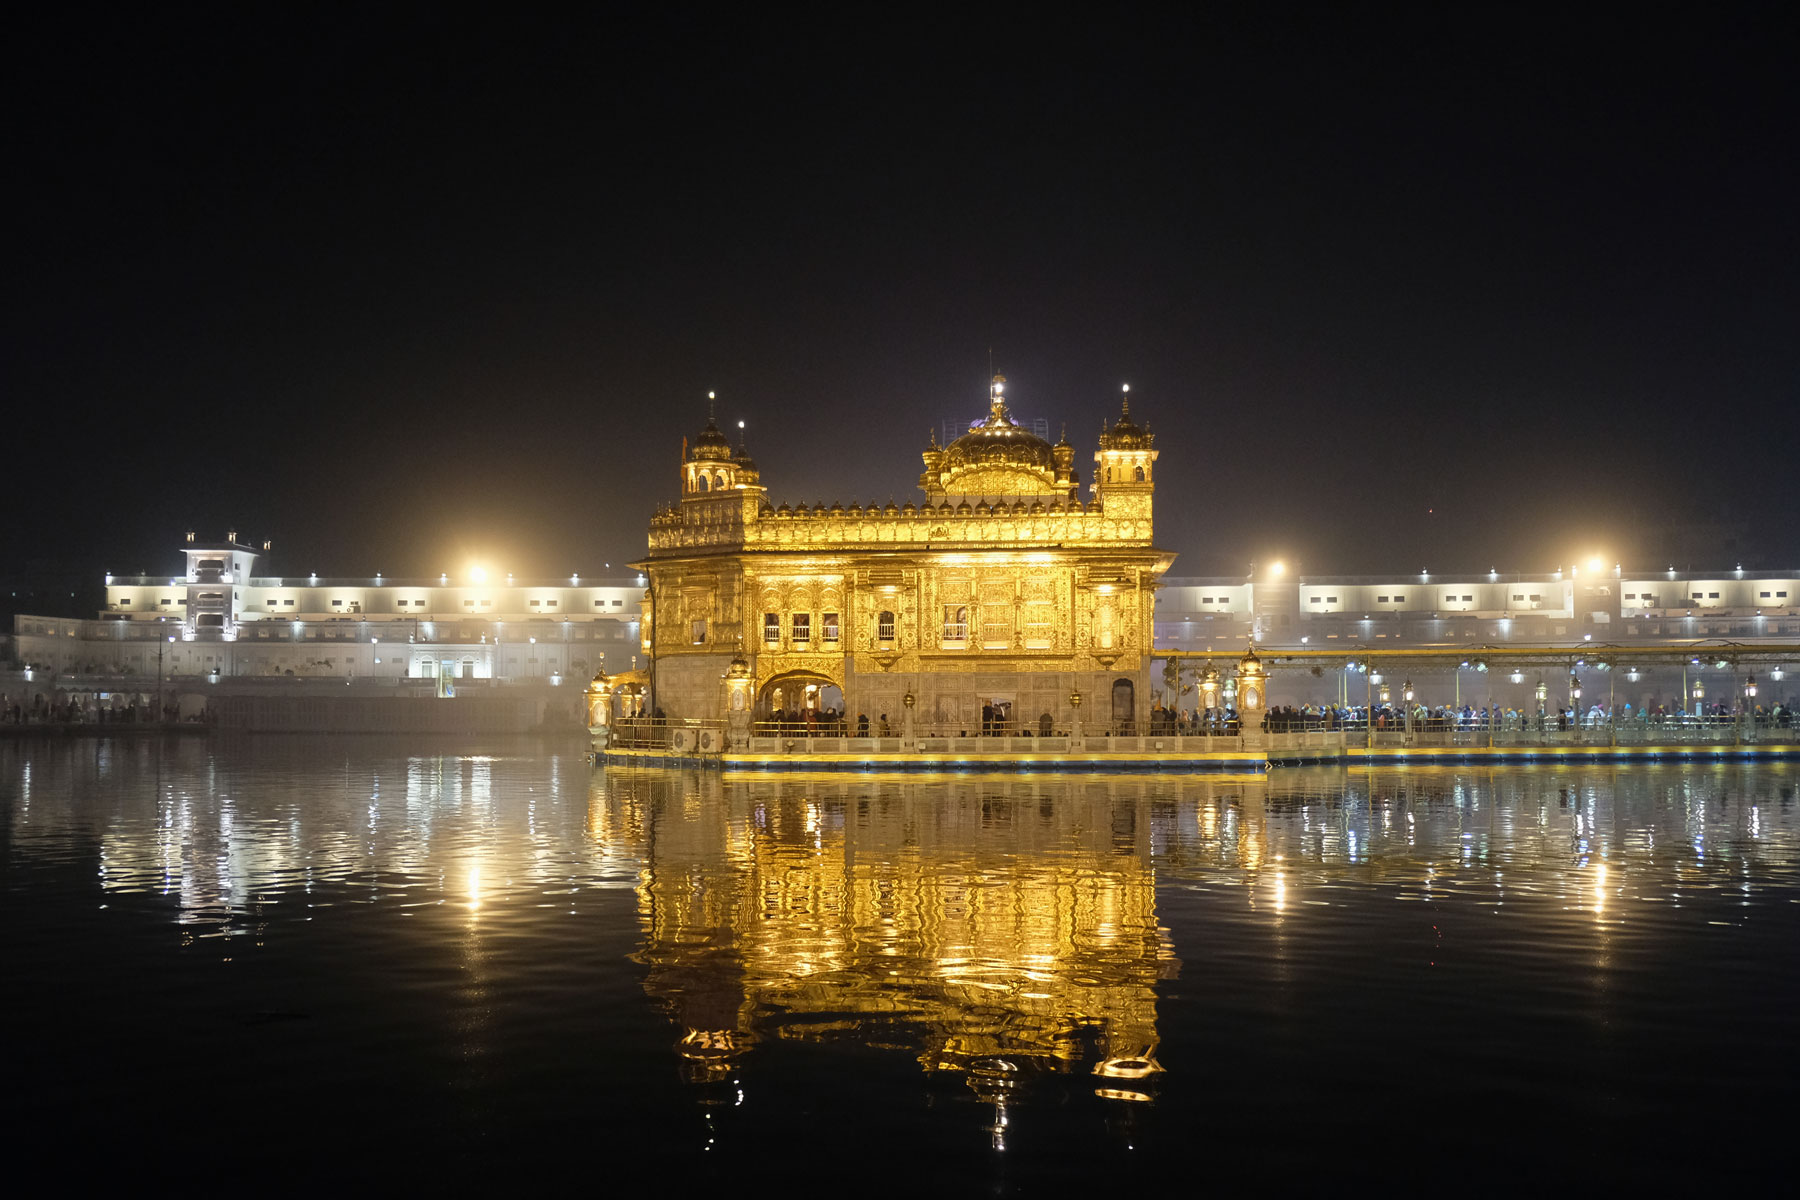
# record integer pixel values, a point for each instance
(711, 407)
(1125, 404)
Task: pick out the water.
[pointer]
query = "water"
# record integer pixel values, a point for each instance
(324, 960)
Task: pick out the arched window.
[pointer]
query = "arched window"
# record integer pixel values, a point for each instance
(1140, 475)
(884, 627)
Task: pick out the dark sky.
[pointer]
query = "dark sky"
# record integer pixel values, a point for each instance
(1466, 288)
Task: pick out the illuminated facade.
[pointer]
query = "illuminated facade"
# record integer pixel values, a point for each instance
(1001, 592)
(219, 617)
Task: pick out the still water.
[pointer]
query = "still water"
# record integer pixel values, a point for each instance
(361, 959)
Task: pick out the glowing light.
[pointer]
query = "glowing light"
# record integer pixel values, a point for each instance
(1599, 886)
(478, 574)
(1277, 567)
(1595, 565)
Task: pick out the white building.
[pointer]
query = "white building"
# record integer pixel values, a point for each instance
(218, 617)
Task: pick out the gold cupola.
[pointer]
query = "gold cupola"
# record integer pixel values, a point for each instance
(996, 457)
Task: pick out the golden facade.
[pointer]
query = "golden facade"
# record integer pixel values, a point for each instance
(1001, 589)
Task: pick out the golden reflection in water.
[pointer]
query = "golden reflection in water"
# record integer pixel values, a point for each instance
(989, 927)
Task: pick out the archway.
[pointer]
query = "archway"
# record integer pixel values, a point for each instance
(800, 702)
(1124, 703)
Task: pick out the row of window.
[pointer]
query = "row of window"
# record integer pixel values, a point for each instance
(799, 628)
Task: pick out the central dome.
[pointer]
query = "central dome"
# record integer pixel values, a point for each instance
(997, 457)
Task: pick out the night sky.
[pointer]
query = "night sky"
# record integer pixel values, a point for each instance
(1471, 287)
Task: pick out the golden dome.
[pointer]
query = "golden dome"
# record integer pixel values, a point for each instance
(996, 457)
(711, 445)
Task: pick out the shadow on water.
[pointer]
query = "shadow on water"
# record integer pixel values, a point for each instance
(317, 955)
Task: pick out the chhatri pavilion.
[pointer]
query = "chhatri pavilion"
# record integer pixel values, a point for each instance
(1000, 594)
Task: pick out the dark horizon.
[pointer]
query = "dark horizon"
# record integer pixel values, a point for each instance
(409, 290)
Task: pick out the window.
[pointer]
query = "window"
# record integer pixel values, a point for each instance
(549, 604)
(1781, 595)
(956, 623)
(1518, 596)
(211, 620)
(1399, 599)
(802, 628)
(1468, 599)
(337, 604)
(616, 603)
(288, 603)
(1699, 596)
(1206, 599)
(1535, 597)
(771, 628)
(272, 603)
(1381, 599)
(124, 600)
(1449, 599)
(468, 604)
(884, 627)
(599, 603)
(1712, 595)
(1765, 596)
(1331, 599)
(534, 603)
(487, 604)
(1317, 600)
(698, 632)
(1633, 595)
(831, 628)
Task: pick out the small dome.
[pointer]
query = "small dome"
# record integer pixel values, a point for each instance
(710, 446)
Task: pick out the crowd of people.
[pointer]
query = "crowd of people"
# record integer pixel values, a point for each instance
(39, 709)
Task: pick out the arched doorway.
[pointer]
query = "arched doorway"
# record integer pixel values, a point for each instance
(800, 703)
(1124, 706)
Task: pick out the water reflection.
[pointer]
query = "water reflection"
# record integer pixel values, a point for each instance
(987, 927)
(1062, 954)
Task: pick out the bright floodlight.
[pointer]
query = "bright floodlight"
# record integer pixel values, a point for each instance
(1594, 563)
(711, 396)
(478, 574)
(1276, 568)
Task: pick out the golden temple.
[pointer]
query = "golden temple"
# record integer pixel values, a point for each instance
(1000, 600)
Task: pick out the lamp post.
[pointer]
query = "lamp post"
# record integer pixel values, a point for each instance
(158, 716)
(1406, 695)
(1575, 703)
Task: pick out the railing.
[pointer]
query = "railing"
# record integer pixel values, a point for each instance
(1674, 730)
(660, 733)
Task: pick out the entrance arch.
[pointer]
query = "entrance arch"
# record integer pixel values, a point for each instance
(800, 702)
(1124, 706)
